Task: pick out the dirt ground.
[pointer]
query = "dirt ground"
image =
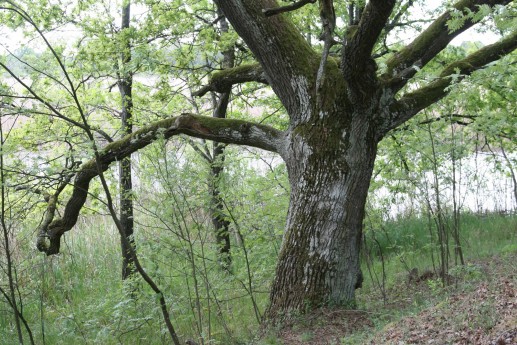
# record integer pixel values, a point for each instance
(480, 307)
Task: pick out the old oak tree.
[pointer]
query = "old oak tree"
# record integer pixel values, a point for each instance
(340, 106)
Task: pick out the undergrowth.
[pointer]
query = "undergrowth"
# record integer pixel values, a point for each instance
(77, 297)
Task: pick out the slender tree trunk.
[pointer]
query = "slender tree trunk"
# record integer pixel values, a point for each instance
(219, 220)
(510, 167)
(125, 85)
(458, 250)
(329, 171)
(5, 231)
(439, 217)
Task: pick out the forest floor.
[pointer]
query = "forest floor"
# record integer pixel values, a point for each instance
(479, 307)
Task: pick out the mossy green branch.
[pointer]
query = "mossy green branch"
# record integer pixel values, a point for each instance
(222, 130)
(403, 65)
(411, 103)
(223, 80)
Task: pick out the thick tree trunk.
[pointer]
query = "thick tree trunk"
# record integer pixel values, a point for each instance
(329, 172)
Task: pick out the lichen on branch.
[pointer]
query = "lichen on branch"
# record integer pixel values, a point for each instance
(411, 103)
(222, 81)
(222, 130)
(404, 64)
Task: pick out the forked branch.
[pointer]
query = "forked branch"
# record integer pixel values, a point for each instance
(356, 60)
(410, 104)
(403, 65)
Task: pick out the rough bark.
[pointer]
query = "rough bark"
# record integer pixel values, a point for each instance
(336, 122)
(125, 85)
(219, 219)
(329, 173)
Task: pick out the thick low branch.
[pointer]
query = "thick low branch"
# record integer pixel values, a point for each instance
(222, 81)
(403, 65)
(410, 104)
(222, 130)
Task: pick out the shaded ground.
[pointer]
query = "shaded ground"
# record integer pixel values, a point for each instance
(325, 327)
(480, 308)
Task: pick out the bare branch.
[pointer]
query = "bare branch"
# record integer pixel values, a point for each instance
(268, 12)
(396, 18)
(404, 64)
(222, 130)
(459, 119)
(35, 190)
(40, 99)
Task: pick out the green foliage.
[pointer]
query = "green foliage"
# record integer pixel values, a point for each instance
(175, 46)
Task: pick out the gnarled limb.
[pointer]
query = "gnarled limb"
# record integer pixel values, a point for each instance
(222, 81)
(403, 65)
(51, 210)
(411, 103)
(223, 130)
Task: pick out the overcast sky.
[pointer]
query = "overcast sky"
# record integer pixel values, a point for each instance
(11, 40)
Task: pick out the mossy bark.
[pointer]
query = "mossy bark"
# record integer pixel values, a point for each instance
(329, 173)
(222, 130)
(125, 85)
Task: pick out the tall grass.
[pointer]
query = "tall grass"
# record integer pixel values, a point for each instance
(480, 234)
(78, 297)
(399, 246)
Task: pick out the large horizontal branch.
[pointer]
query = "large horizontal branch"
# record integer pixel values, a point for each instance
(222, 81)
(410, 104)
(403, 65)
(228, 131)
